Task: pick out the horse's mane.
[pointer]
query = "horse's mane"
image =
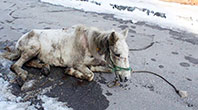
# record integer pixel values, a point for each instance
(101, 39)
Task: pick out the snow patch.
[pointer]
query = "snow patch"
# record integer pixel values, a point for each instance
(53, 104)
(178, 16)
(8, 101)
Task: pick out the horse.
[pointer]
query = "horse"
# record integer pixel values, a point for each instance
(82, 50)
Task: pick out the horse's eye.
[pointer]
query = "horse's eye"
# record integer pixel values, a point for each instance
(118, 55)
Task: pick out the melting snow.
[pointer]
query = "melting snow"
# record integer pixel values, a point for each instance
(178, 16)
(8, 101)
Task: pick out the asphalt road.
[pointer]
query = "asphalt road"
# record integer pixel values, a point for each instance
(174, 55)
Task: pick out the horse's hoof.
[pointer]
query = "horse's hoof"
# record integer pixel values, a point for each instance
(22, 77)
(23, 74)
(20, 81)
(90, 77)
(45, 71)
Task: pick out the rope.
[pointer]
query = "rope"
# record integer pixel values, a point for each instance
(151, 44)
(176, 90)
(181, 93)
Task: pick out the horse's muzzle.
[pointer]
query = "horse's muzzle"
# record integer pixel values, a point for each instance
(123, 79)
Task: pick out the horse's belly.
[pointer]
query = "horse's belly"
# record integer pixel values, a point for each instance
(55, 57)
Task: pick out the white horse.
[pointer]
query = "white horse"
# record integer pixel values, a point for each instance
(79, 48)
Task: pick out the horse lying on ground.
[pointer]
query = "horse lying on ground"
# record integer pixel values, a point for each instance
(79, 48)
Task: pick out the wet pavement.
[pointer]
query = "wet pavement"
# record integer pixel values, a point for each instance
(173, 56)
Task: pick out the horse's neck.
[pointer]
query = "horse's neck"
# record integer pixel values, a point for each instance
(97, 41)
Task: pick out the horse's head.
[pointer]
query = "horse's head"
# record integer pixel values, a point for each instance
(118, 55)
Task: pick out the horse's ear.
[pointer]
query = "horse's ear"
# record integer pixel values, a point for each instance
(125, 33)
(113, 39)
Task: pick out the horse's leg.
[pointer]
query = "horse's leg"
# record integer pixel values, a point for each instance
(88, 74)
(97, 65)
(81, 73)
(73, 72)
(36, 63)
(25, 56)
(12, 55)
(100, 69)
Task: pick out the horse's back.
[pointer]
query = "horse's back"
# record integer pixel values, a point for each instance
(46, 35)
(51, 43)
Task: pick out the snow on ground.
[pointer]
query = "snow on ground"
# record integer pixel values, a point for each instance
(8, 101)
(176, 16)
(53, 104)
